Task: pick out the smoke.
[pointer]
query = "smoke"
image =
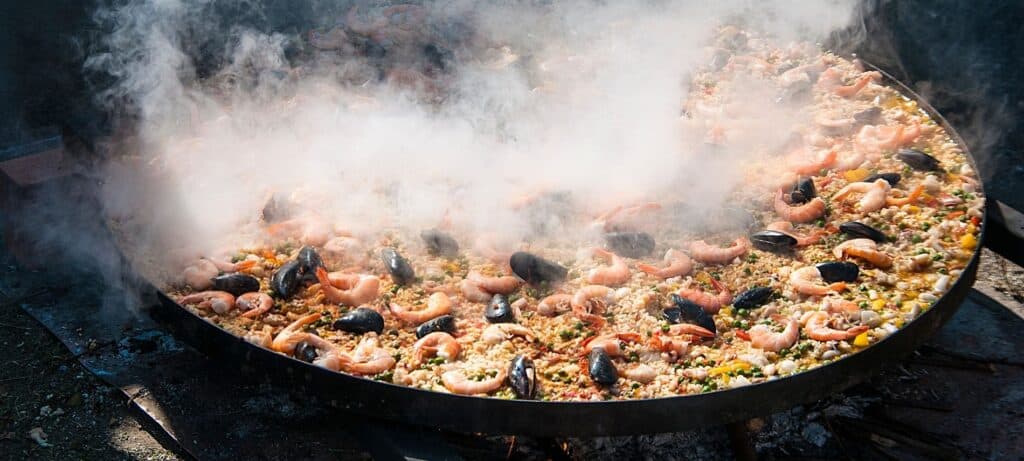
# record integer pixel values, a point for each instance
(445, 114)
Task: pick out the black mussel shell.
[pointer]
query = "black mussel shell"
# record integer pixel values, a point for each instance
(630, 244)
(860, 230)
(309, 261)
(400, 270)
(754, 297)
(838, 271)
(686, 311)
(361, 320)
(278, 208)
(499, 310)
(438, 56)
(444, 323)
(769, 240)
(285, 280)
(891, 178)
(306, 352)
(919, 160)
(794, 93)
(803, 191)
(522, 377)
(868, 116)
(236, 284)
(602, 370)
(536, 270)
(439, 243)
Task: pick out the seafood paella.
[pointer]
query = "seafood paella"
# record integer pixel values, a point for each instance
(834, 241)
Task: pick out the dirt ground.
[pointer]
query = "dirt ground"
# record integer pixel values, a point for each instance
(43, 386)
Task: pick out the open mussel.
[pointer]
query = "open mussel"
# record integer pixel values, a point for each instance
(919, 160)
(439, 243)
(361, 320)
(891, 178)
(285, 280)
(306, 352)
(499, 310)
(277, 208)
(686, 311)
(860, 230)
(536, 270)
(774, 241)
(309, 260)
(630, 244)
(236, 284)
(803, 191)
(754, 297)
(869, 116)
(444, 323)
(401, 272)
(522, 377)
(601, 368)
(838, 271)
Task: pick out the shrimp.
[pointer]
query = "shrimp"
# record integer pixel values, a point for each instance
(225, 266)
(495, 285)
(786, 227)
(254, 304)
(762, 337)
(805, 280)
(309, 230)
(910, 198)
(290, 336)
(678, 265)
(708, 254)
(590, 301)
(219, 301)
(499, 332)
(554, 304)
(199, 275)
(367, 359)
(436, 344)
(364, 290)
(710, 303)
(815, 166)
(865, 249)
(816, 327)
(642, 373)
(611, 343)
(851, 160)
(457, 382)
(874, 194)
(672, 341)
(801, 213)
(873, 139)
(438, 304)
(615, 274)
(346, 249)
(848, 309)
(625, 218)
(849, 91)
(262, 338)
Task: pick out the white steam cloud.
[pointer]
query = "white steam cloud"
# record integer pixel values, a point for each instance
(578, 97)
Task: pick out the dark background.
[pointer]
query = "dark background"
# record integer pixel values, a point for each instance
(965, 57)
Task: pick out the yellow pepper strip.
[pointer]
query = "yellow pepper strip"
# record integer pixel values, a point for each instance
(861, 340)
(856, 175)
(878, 304)
(968, 242)
(735, 365)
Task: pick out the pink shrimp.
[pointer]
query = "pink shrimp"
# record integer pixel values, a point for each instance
(709, 254)
(807, 280)
(365, 289)
(787, 228)
(678, 265)
(500, 332)
(239, 266)
(874, 194)
(367, 359)
(473, 293)
(801, 213)
(673, 340)
(851, 160)
(626, 218)
(495, 285)
(438, 304)
(199, 275)
(346, 250)
(611, 343)
(291, 335)
(456, 381)
(865, 249)
(218, 301)
(848, 309)
(762, 337)
(436, 344)
(615, 274)
(590, 301)
(817, 327)
(554, 304)
(254, 304)
(709, 302)
(814, 166)
(849, 91)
